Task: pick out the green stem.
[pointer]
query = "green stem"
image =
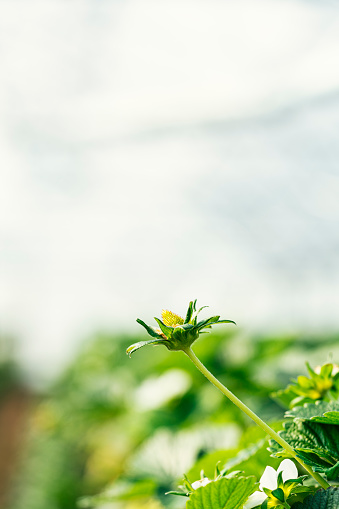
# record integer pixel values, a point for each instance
(252, 415)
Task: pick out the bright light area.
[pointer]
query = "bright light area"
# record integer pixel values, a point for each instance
(157, 152)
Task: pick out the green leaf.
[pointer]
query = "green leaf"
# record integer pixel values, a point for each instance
(208, 462)
(326, 412)
(223, 494)
(149, 329)
(119, 492)
(314, 434)
(250, 457)
(244, 455)
(323, 499)
(300, 493)
(316, 443)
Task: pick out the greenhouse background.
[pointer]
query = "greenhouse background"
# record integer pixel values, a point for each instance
(153, 153)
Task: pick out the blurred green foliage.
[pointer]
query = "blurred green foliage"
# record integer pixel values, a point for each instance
(130, 428)
(320, 384)
(10, 376)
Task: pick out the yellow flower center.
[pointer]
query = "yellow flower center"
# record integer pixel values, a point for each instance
(171, 319)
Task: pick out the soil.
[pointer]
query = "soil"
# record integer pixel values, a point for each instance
(15, 409)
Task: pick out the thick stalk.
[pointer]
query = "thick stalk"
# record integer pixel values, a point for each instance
(252, 415)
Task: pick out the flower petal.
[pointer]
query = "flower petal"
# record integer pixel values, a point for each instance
(201, 483)
(269, 479)
(288, 469)
(255, 499)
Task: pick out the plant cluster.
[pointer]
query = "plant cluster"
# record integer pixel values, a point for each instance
(310, 435)
(106, 436)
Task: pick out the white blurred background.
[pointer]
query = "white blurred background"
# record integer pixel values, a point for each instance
(153, 152)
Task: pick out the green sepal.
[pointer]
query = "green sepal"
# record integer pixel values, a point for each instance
(204, 323)
(280, 482)
(187, 328)
(149, 329)
(194, 318)
(300, 480)
(326, 370)
(164, 328)
(183, 336)
(217, 469)
(214, 320)
(278, 494)
(133, 348)
(200, 309)
(293, 484)
(304, 382)
(187, 484)
(264, 505)
(190, 311)
(311, 371)
(179, 493)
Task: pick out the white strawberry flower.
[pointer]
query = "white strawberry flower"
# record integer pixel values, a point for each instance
(269, 480)
(201, 482)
